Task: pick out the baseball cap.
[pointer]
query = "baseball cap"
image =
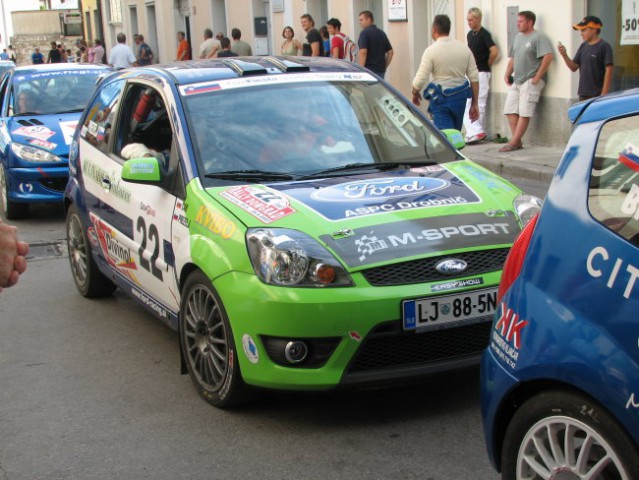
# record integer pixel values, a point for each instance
(588, 22)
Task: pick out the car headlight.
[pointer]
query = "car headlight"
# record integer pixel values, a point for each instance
(33, 154)
(290, 258)
(527, 206)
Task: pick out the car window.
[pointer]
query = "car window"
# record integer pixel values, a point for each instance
(4, 84)
(613, 197)
(98, 123)
(144, 129)
(307, 126)
(53, 92)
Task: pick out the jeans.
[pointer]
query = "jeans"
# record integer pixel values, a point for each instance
(447, 106)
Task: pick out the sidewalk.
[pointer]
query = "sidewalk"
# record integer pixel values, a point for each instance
(533, 162)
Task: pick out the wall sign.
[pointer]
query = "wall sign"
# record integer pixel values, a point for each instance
(629, 22)
(397, 11)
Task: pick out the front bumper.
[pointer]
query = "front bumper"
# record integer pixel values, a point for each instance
(36, 184)
(363, 322)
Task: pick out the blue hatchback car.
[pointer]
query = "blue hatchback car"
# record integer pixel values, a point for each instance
(40, 106)
(560, 378)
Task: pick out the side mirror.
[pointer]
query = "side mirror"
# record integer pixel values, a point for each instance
(455, 138)
(141, 170)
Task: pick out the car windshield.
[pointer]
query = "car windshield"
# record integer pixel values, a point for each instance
(53, 92)
(306, 129)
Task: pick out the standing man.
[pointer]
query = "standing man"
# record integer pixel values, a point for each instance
(529, 59)
(593, 60)
(210, 46)
(375, 50)
(36, 57)
(121, 56)
(145, 54)
(239, 46)
(481, 43)
(314, 46)
(98, 52)
(454, 74)
(54, 54)
(226, 49)
(184, 49)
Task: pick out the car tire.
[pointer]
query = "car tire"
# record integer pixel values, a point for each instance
(208, 346)
(88, 278)
(11, 210)
(567, 419)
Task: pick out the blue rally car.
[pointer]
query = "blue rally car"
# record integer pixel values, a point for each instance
(39, 108)
(560, 378)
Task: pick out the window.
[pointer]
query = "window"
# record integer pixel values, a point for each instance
(97, 126)
(613, 197)
(115, 9)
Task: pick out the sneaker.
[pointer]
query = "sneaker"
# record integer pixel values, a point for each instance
(476, 138)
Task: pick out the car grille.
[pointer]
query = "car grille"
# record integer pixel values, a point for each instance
(55, 184)
(423, 270)
(388, 346)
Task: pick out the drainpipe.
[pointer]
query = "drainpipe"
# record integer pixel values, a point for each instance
(4, 23)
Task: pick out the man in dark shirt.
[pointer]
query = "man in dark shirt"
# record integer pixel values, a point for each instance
(375, 50)
(226, 48)
(54, 54)
(481, 43)
(593, 59)
(145, 54)
(314, 46)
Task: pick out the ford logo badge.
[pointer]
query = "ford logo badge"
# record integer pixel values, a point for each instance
(451, 266)
(381, 189)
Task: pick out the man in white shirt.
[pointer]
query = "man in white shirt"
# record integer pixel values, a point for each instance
(121, 56)
(210, 46)
(455, 78)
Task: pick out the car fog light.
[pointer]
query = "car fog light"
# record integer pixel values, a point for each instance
(295, 351)
(324, 273)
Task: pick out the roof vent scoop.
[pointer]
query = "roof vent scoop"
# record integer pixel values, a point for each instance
(244, 69)
(286, 66)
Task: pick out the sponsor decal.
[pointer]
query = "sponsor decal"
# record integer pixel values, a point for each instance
(630, 158)
(335, 199)
(142, 168)
(93, 128)
(194, 89)
(277, 79)
(25, 187)
(148, 209)
(617, 273)
(151, 304)
(428, 169)
(633, 402)
(485, 178)
(250, 349)
(355, 336)
(97, 174)
(116, 253)
(36, 142)
(214, 222)
(455, 284)
(39, 132)
(264, 204)
(630, 205)
(83, 131)
(179, 214)
(93, 237)
(68, 129)
(421, 236)
(506, 336)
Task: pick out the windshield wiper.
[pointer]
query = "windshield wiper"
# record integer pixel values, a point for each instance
(73, 110)
(351, 167)
(252, 175)
(21, 114)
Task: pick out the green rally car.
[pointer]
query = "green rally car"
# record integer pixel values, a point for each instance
(299, 223)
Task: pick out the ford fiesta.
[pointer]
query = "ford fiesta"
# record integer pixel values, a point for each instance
(39, 108)
(299, 224)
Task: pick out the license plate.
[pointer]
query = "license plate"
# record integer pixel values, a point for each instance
(439, 312)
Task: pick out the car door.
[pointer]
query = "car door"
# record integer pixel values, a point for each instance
(133, 221)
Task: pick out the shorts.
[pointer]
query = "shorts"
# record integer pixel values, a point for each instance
(522, 99)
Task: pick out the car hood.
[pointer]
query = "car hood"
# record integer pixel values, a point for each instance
(52, 133)
(386, 216)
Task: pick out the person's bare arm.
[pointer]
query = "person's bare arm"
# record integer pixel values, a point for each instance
(509, 71)
(389, 57)
(567, 60)
(607, 79)
(493, 54)
(315, 49)
(362, 56)
(543, 68)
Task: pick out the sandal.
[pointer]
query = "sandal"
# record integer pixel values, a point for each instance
(510, 148)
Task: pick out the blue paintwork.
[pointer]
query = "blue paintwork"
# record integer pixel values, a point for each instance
(580, 333)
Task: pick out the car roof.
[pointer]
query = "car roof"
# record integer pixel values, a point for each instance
(195, 71)
(600, 108)
(58, 67)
